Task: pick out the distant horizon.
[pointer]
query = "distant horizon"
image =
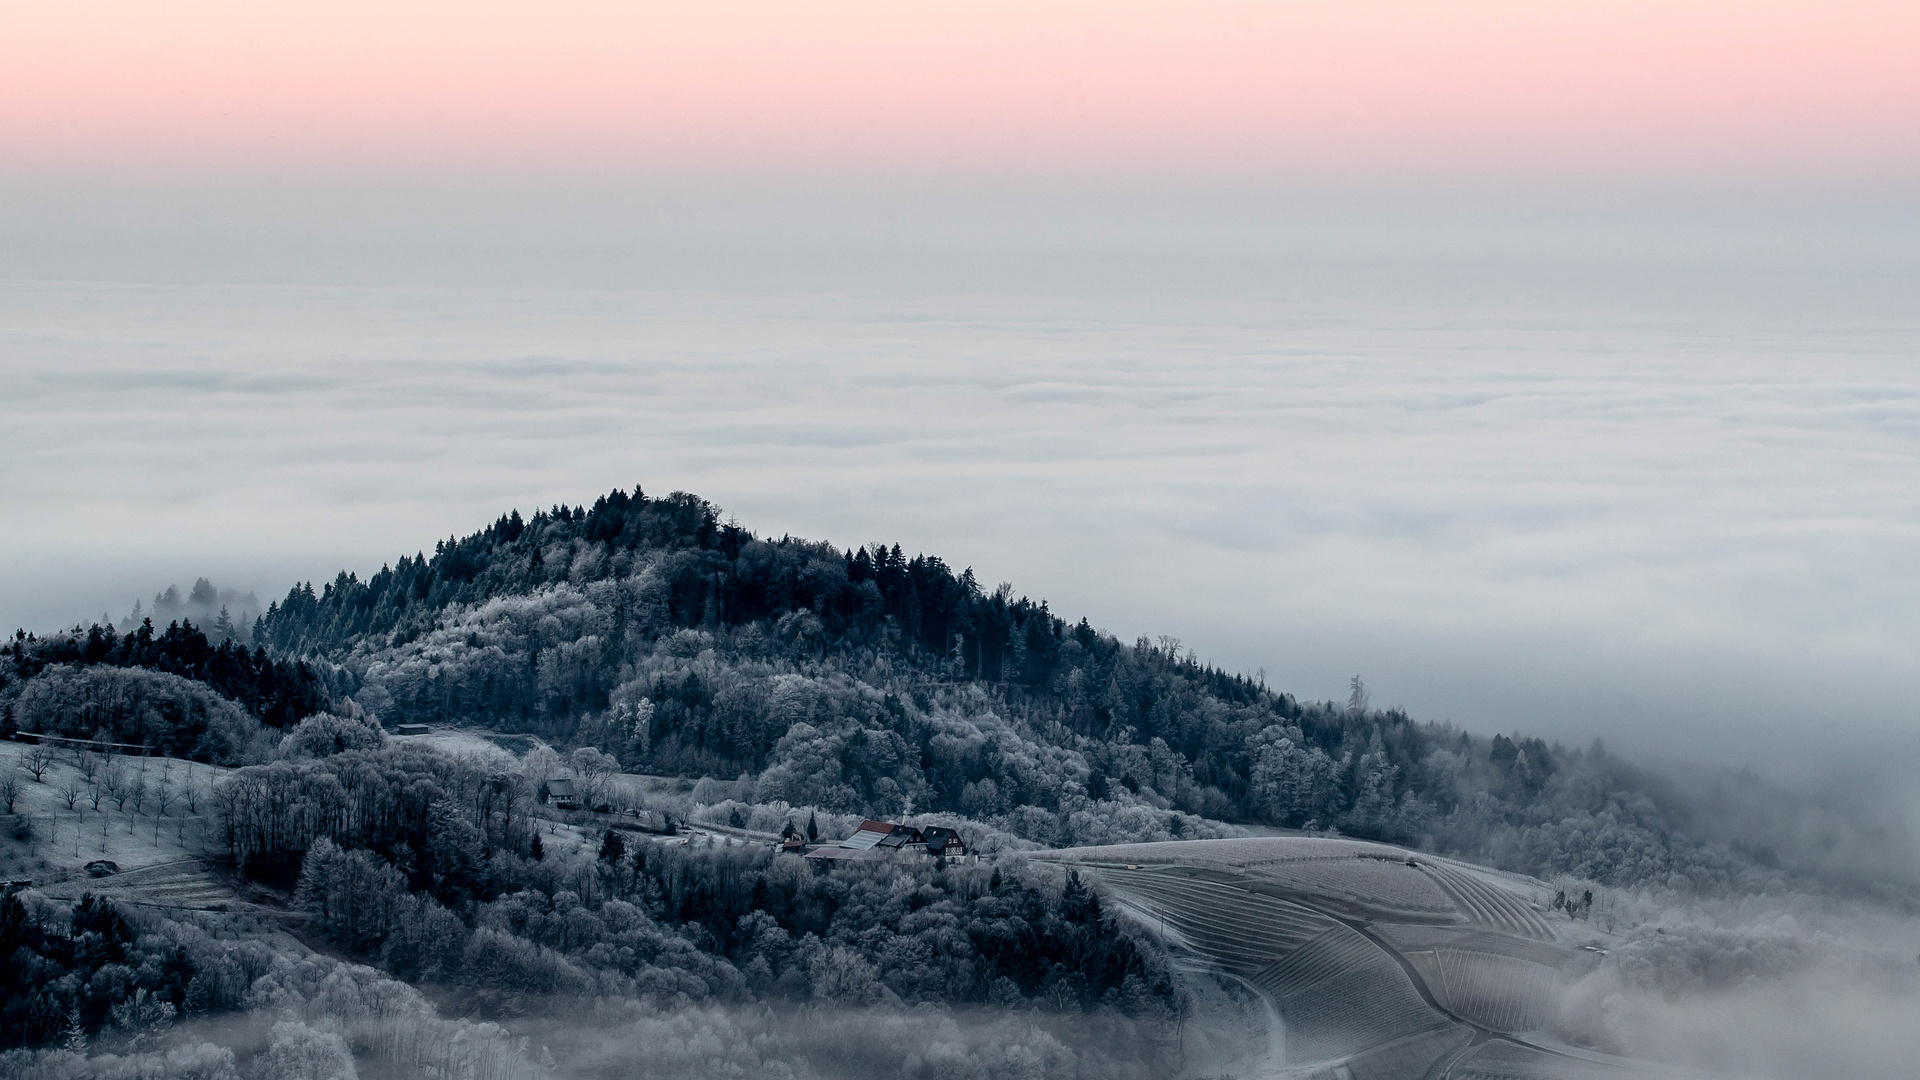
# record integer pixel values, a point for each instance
(1550, 369)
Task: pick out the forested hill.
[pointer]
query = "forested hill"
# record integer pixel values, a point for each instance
(866, 681)
(710, 575)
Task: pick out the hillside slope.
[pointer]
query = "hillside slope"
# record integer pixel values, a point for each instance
(867, 681)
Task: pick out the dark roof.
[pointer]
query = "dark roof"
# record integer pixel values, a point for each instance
(901, 836)
(881, 834)
(939, 838)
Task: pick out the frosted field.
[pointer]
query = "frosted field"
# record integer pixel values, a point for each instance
(172, 819)
(1377, 963)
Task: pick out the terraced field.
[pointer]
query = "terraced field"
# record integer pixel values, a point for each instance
(1381, 963)
(186, 884)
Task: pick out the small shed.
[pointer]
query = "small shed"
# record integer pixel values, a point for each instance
(412, 729)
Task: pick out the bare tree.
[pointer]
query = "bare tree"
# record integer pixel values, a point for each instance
(139, 791)
(190, 793)
(38, 759)
(70, 789)
(163, 797)
(88, 763)
(115, 781)
(95, 791)
(10, 788)
(593, 767)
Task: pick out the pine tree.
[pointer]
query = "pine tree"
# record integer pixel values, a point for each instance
(612, 848)
(74, 1039)
(813, 828)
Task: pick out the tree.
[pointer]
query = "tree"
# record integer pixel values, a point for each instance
(9, 788)
(38, 758)
(593, 767)
(1357, 697)
(298, 1052)
(143, 1016)
(612, 848)
(71, 789)
(1287, 783)
(114, 780)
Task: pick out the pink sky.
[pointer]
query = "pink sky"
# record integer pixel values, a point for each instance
(1685, 89)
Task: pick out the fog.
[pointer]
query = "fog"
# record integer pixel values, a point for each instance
(1632, 466)
(1786, 986)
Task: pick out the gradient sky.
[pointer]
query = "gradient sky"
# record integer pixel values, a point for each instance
(1788, 90)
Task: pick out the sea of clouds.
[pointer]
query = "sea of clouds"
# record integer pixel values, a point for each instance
(1644, 476)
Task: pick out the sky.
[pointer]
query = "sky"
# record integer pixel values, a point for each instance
(1553, 369)
(985, 89)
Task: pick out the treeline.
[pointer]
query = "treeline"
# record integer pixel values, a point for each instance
(172, 716)
(108, 993)
(868, 681)
(69, 974)
(276, 692)
(433, 865)
(712, 575)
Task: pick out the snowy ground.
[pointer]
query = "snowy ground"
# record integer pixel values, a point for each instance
(162, 813)
(469, 744)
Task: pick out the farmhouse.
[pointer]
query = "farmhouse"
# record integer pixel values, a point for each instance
(876, 840)
(945, 844)
(561, 794)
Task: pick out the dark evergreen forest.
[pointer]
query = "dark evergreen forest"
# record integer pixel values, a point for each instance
(277, 692)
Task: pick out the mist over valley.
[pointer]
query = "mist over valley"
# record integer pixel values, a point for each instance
(1065, 541)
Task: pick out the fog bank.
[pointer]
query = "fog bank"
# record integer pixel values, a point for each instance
(1627, 467)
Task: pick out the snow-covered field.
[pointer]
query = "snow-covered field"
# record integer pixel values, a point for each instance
(135, 812)
(464, 744)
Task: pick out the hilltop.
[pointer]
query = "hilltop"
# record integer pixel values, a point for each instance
(865, 680)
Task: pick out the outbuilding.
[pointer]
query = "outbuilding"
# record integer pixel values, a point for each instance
(561, 794)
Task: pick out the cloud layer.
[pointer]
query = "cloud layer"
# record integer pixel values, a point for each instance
(1647, 488)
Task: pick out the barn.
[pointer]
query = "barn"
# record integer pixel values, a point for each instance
(884, 839)
(561, 794)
